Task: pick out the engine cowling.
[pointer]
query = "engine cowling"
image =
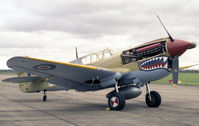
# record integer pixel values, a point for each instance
(128, 92)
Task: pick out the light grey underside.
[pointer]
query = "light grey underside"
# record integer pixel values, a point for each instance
(142, 77)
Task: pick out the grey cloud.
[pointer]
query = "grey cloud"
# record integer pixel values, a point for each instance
(90, 19)
(19, 40)
(80, 18)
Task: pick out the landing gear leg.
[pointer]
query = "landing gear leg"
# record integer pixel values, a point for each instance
(153, 98)
(44, 96)
(148, 90)
(116, 86)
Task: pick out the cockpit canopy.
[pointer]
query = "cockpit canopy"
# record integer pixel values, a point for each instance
(94, 57)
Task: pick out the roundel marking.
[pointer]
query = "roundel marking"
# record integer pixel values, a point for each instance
(44, 67)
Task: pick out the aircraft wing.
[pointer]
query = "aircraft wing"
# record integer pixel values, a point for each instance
(62, 73)
(185, 67)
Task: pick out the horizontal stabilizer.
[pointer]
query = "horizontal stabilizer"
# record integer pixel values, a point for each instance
(21, 79)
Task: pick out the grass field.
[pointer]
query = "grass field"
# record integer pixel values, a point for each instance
(185, 78)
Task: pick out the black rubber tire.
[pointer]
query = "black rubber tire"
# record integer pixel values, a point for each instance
(44, 98)
(120, 101)
(155, 99)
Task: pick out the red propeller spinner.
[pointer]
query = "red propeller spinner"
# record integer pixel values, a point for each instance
(178, 47)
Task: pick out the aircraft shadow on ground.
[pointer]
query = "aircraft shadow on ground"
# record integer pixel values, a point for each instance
(87, 106)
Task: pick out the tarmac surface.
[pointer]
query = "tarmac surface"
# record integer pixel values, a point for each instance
(180, 107)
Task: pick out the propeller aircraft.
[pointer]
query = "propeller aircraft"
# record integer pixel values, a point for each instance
(127, 71)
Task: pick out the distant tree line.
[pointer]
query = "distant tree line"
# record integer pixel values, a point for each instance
(7, 71)
(189, 71)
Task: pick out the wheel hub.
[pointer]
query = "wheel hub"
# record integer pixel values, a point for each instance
(153, 100)
(114, 101)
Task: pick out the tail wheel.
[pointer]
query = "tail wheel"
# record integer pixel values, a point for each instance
(116, 101)
(44, 98)
(155, 99)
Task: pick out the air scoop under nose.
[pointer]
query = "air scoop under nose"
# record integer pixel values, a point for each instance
(178, 47)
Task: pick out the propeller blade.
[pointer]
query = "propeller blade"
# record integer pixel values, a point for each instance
(175, 69)
(164, 27)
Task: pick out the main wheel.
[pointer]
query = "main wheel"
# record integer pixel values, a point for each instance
(116, 101)
(155, 100)
(44, 98)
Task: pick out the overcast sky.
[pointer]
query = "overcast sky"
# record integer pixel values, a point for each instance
(51, 29)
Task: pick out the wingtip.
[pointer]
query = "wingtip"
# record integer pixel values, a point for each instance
(6, 80)
(12, 61)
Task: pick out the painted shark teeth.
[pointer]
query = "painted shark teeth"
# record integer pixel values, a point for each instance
(165, 59)
(155, 63)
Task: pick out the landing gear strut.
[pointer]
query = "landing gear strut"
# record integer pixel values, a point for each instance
(44, 96)
(153, 98)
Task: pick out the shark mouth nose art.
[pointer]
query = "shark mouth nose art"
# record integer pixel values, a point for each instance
(160, 62)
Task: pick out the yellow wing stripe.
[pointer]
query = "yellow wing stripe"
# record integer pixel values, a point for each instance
(184, 67)
(63, 63)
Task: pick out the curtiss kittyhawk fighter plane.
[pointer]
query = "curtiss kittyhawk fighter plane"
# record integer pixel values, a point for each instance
(125, 71)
